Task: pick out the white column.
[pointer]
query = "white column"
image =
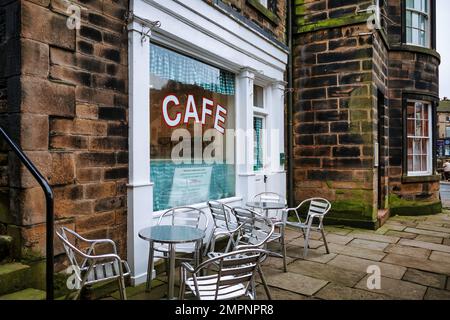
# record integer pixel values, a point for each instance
(244, 136)
(277, 126)
(140, 188)
(277, 180)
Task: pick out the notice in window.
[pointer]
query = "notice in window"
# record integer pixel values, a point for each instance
(190, 184)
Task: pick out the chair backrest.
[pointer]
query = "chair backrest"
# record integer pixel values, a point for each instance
(318, 206)
(237, 267)
(71, 250)
(256, 230)
(185, 216)
(220, 213)
(269, 197)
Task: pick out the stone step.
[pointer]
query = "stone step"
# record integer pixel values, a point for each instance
(13, 277)
(26, 294)
(5, 247)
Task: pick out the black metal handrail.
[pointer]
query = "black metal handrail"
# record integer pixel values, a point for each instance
(49, 203)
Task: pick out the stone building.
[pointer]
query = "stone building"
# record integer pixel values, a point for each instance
(75, 78)
(443, 129)
(366, 80)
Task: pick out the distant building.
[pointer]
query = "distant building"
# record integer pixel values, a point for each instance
(443, 116)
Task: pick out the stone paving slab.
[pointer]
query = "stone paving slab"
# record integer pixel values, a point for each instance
(412, 262)
(361, 265)
(326, 272)
(276, 263)
(336, 292)
(427, 232)
(295, 282)
(433, 227)
(425, 278)
(440, 257)
(319, 255)
(430, 239)
(425, 245)
(368, 244)
(396, 288)
(300, 242)
(395, 226)
(356, 252)
(435, 294)
(374, 237)
(338, 239)
(342, 231)
(401, 234)
(279, 294)
(419, 253)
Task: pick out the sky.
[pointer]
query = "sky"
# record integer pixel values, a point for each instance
(443, 45)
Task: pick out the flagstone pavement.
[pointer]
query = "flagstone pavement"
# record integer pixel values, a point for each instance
(413, 254)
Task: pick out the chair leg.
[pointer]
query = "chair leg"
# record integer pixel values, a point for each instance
(266, 287)
(325, 241)
(283, 248)
(305, 249)
(122, 290)
(150, 268)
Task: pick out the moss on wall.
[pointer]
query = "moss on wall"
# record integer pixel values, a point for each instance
(399, 206)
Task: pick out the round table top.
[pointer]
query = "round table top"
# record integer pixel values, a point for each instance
(171, 234)
(265, 205)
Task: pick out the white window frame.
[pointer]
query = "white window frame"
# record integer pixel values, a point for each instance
(430, 144)
(425, 14)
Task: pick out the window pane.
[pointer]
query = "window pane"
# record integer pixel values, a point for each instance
(408, 18)
(424, 164)
(258, 143)
(258, 96)
(411, 128)
(409, 35)
(410, 4)
(417, 147)
(415, 20)
(410, 146)
(186, 94)
(417, 165)
(410, 163)
(426, 130)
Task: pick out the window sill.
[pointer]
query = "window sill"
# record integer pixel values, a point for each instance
(421, 179)
(416, 49)
(269, 15)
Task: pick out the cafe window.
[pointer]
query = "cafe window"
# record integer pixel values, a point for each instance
(419, 129)
(418, 22)
(191, 109)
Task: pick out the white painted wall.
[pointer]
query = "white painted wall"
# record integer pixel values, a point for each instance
(201, 31)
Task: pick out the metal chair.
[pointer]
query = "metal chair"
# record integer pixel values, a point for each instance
(254, 232)
(90, 268)
(232, 279)
(278, 217)
(318, 208)
(224, 225)
(184, 216)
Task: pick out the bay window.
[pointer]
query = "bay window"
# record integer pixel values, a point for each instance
(418, 22)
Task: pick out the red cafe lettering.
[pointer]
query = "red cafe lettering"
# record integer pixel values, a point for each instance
(192, 113)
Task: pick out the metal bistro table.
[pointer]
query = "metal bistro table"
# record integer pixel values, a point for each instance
(170, 235)
(266, 206)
